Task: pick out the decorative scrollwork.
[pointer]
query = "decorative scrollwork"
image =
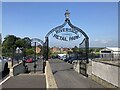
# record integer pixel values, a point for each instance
(37, 40)
(73, 29)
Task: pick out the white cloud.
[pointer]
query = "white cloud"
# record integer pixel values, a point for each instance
(104, 43)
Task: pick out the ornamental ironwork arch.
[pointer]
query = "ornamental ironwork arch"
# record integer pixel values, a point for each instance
(37, 40)
(73, 28)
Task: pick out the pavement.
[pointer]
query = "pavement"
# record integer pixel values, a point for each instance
(39, 67)
(66, 77)
(27, 81)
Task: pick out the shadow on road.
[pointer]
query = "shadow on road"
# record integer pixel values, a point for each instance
(54, 72)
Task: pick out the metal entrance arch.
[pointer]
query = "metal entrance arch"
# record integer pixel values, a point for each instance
(38, 47)
(73, 29)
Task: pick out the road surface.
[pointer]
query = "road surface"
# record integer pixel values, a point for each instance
(66, 77)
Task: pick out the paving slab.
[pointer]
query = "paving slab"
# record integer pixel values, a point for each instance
(26, 81)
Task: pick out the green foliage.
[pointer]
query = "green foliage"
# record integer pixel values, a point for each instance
(76, 49)
(27, 42)
(11, 42)
(20, 43)
(69, 52)
(30, 51)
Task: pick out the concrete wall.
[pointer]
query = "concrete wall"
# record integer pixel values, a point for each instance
(105, 74)
(89, 69)
(50, 80)
(76, 66)
(19, 68)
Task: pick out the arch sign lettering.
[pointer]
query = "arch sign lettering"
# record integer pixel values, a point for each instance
(66, 34)
(69, 34)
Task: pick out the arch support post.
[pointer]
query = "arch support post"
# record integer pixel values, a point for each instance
(87, 49)
(47, 49)
(45, 52)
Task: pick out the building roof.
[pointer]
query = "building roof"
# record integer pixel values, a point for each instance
(115, 49)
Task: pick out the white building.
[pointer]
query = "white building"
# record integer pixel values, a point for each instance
(110, 53)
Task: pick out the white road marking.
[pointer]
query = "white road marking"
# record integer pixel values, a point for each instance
(5, 80)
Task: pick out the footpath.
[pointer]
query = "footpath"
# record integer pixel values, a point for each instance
(24, 81)
(66, 77)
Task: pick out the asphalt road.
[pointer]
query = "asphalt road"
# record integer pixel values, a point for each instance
(66, 77)
(38, 69)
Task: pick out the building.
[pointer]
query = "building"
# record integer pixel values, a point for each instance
(38, 49)
(110, 53)
(55, 50)
(60, 50)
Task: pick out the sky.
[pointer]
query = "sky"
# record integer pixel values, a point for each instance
(99, 20)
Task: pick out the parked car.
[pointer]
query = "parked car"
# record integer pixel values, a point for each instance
(29, 59)
(67, 59)
(3, 65)
(72, 59)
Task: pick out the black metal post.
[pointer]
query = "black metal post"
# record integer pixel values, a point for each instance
(35, 60)
(79, 52)
(87, 49)
(44, 64)
(12, 56)
(47, 49)
(44, 57)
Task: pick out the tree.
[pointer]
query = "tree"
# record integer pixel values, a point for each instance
(30, 51)
(75, 49)
(27, 42)
(91, 50)
(9, 41)
(20, 43)
(9, 45)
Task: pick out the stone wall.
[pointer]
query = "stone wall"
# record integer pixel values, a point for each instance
(76, 66)
(105, 74)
